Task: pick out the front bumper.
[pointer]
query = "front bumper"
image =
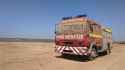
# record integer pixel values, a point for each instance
(71, 50)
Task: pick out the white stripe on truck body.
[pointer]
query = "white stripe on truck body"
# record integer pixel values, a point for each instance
(75, 50)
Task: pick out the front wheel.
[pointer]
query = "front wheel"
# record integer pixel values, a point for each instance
(93, 54)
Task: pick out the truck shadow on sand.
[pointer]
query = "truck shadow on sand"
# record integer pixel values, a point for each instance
(79, 58)
(74, 58)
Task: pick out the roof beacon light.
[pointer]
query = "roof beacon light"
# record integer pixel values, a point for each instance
(79, 16)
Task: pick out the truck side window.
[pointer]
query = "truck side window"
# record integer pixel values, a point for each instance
(95, 28)
(91, 27)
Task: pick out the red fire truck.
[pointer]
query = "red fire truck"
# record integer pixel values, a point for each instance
(80, 35)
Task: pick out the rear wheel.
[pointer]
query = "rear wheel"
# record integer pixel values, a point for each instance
(93, 54)
(108, 51)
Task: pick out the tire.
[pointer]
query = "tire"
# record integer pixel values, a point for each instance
(93, 54)
(108, 51)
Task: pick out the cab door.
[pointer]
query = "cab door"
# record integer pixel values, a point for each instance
(96, 34)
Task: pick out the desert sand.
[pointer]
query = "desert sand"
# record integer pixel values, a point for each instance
(41, 56)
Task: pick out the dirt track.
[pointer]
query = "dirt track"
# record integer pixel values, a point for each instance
(41, 56)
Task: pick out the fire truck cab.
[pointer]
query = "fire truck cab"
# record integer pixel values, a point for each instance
(81, 36)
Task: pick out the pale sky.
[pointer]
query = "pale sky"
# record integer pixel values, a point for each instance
(37, 18)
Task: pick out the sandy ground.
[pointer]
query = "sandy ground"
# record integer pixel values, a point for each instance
(41, 56)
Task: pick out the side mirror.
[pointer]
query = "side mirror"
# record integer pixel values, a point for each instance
(55, 32)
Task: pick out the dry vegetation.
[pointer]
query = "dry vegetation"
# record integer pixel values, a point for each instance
(41, 56)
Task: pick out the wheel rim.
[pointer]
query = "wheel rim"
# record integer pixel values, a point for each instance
(93, 54)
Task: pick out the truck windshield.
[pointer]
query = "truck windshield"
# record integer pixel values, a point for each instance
(73, 28)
